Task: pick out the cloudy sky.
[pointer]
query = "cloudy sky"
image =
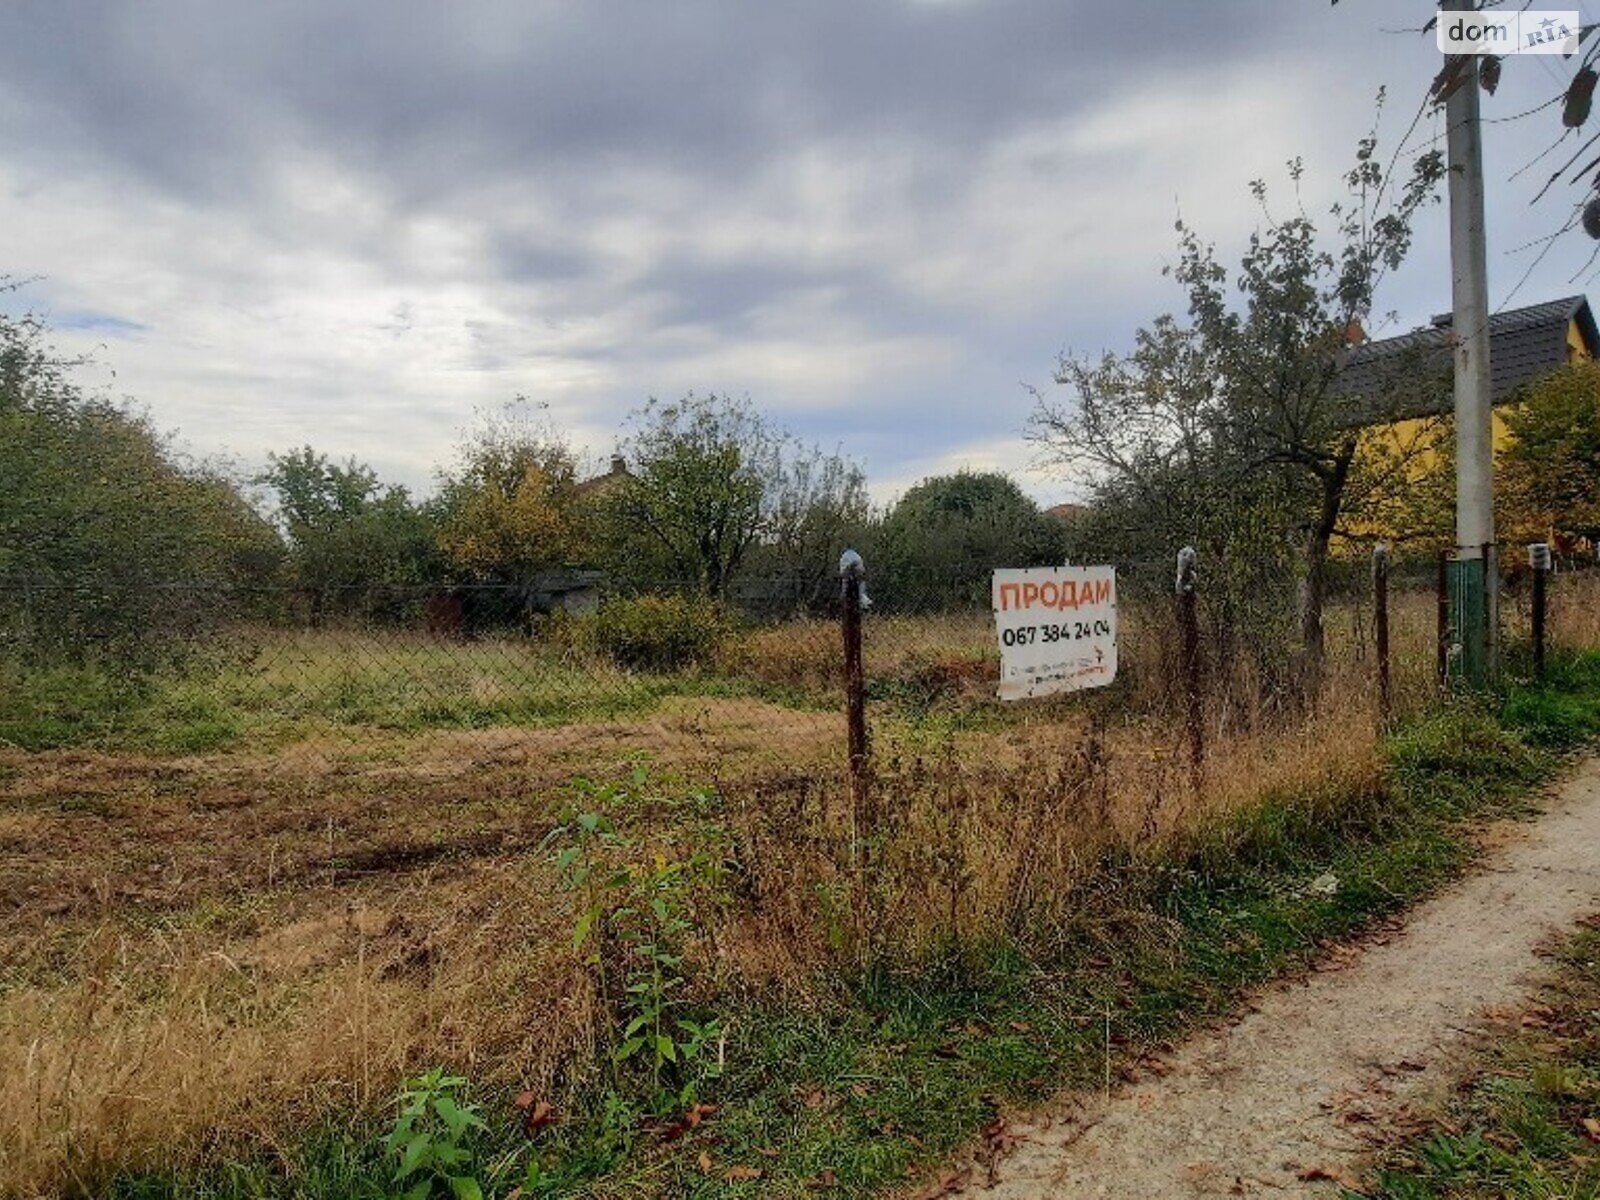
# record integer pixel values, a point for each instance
(354, 223)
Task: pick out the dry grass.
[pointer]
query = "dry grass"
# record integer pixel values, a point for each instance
(989, 834)
(159, 1042)
(228, 988)
(1574, 611)
(219, 949)
(804, 655)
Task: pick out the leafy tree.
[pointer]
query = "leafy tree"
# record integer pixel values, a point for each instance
(1550, 470)
(1244, 399)
(313, 493)
(111, 544)
(714, 483)
(355, 545)
(510, 509)
(818, 505)
(1147, 427)
(938, 544)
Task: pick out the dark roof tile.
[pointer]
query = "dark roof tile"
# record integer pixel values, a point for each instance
(1524, 344)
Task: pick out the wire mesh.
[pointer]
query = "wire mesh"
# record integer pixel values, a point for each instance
(440, 689)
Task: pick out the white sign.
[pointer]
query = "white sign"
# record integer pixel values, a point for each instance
(1057, 628)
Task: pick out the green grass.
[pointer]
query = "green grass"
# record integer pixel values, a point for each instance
(852, 1096)
(279, 686)
(267, 690)
(1518, 1130)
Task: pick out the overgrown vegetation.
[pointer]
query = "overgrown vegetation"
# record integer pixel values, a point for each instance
(654, 633)
(1551, 467)
(994, 976)
(634, 922)
(430, 1139)
(100, 515)
(700, 969)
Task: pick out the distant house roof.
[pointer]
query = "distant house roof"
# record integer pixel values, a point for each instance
(1068, 512)
(1524, 344)
(604, 483)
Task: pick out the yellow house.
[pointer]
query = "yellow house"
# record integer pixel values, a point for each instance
(1400, 388)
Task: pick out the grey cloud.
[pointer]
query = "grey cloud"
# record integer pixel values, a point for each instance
(439, 204)
(539, 260)
(437, 96)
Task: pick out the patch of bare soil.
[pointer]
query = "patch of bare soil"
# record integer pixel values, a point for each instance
(87, 837)
(1291, 1099)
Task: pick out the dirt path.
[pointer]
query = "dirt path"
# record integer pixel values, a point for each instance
(1289, 1095)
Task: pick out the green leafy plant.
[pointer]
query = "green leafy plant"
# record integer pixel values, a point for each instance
(431, 1138)
(635, 919)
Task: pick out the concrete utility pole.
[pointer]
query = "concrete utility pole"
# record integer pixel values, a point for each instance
(1474, 577)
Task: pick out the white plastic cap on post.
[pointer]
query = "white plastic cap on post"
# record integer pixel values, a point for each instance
(852, 566)
(1380, 555)
(1539, 555)
(1186, 562)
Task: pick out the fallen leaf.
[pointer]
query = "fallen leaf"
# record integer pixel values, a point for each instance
(1324, 885)
(1332, 1175)
(997, 1136)
(690, 1120)
(1592, 1128)
(537, 1114)
(742, 1174)
(705, 1163)
(826, 1179)
(949, 1182)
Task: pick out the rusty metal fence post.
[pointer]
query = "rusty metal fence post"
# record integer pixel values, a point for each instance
(852, 572)
(1189, 632)
(1380, 618)
(1539, 560)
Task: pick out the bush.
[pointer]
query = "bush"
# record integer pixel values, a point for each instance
(116, 548)
(655, 633)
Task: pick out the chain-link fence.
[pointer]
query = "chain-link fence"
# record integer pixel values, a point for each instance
(413, 685)
(393, 688)
(256, 845)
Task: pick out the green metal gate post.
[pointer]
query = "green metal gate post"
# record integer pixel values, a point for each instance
(1474, 615)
